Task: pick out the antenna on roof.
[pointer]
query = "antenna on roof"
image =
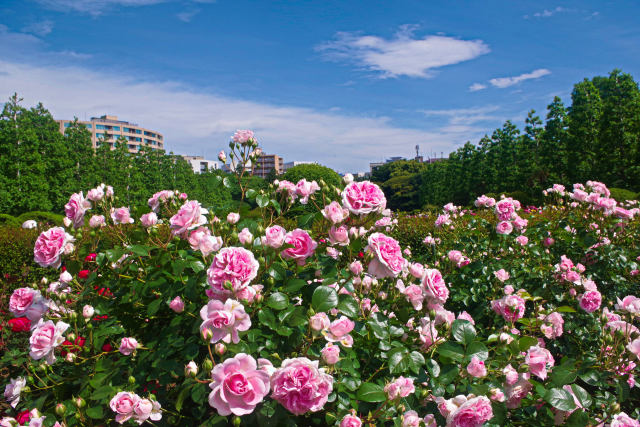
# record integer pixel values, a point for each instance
(417, 150)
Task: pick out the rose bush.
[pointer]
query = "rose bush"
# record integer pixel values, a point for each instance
(198, 316)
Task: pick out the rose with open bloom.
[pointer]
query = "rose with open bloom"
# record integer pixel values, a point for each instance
(476, 368)
(191, 215)
(159, 197)
(435, 289)
(504, 227)
(388, 260)
(238, 386)
(330, 353)
(339, 235)
(245, 237)
(234, 265)
(29, 303)
(95, 194)
(303, 246)
(45, 338)
(274, 236)
(243, 136)
(177, 305)
(339, 328)
(97, 221)
(122, 404)
(128, 345)
(121, 216)
(149, 219)
(50, 245)
(630, 304)
(304, 189)
(13, 389)
(300, 386)
(224, 320)
(400, 387)
(590, 301)
(474, 412)
(623, 420)
(319, 321)
(552, 325)
(362, 198)
(145, 409)
(510, 307)
(350, 420)
(539, 359)
(335, 213)
(75, 209)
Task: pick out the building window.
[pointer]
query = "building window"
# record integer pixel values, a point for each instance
(67, 124)
(138, 139)
(138, 131)
(99, 135)
(132, 147)
(116, 128)
(89, 126)
(100, 127)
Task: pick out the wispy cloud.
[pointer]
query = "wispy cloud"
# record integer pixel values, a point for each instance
(187, 15)
(476, 87)
(502, 82)
(546, 13)
(94, 7)
(40, 29)
(402, 55)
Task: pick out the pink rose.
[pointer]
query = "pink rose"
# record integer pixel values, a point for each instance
(121, 216)
(539, 359)
(501, 275)
(442, 220)
(149, 219)
(201, 240)
(339, 235)
(122, 404)
(97, 221)
(159, 197)
(243, 136)
(304, 189)
(335, 213)
(416, 270)
(238, 386)
(522, 240)
(224, 320)
(45, 337)
(235, 265)
(128, 345)
(630, 304)
(466, 316)
(388, 260)
(145, 409)
(350, 421)
(300, 386)
(274, 236)
(339, 328)
(552, 325)
(355, 268)
(29, 303)
(623, 420)
(12, 391)
(510, 307)
(222, 156)
(330, 353)
(233, 217)
(428, 333)
(474, 412)
(303, 246)
(191, 215)
(245, 237)
(414, 295)
(400, 387)
(362, 198)
(411, 419)
(319, 321)
(484, 201)
(75, 209)
(177, 305)
(50, 245)
(590, 301)
(476, 368)
(434, 287)
(454, 256)
(504, 227)
(95, 194)
(518, 390)
(505, 210)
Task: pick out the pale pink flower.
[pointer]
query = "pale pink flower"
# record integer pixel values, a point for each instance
(224, 320)
(145, 409)
(435, 289)
(95, 194)
(50, 245)
(122, 404)
(121, 216)
(13, 389)
(590, 301)
(300, 386)
(159, 197)
(505, 210)
(504, 227)
(45, 337)
(128, 345)
(634, 347)
(414, 295)
(76, 208)
(522, 240)
(222, 156)
(501, 275)
(339, 235)
(356, 268)
(319, 321)
(177, 305)
(191, 215)
(339, 328)
(234, 265)
(29, 303)
(330, 353)
(623, 420)
(350, 421)
(476, 368)
(630, 304)
(400, 387)
(97, 221)
(303, 246)
(304, 189)
(454, 256)
(362, 198)
(416, 270)
(238, 386)
(474, 412)
(552, 325)
(243, 136)
(539, 360)
(411, 419)
(441, 220)
(484, 201)
(388, 260)
(466, 316)
(149, 219)
(510, 307)
(233, 217)
(274, 236)
(245, 237)
(511, 374)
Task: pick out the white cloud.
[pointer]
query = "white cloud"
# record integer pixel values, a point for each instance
(503, 82)
(187, 15)
(41, 28)
(93, 7)
(476, 87)
(403, 55)
(546, 13)
(465, 116)
(197, 122)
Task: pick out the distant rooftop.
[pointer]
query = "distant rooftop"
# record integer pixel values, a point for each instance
(111, 119)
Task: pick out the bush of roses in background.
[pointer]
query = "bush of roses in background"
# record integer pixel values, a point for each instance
(196, 316)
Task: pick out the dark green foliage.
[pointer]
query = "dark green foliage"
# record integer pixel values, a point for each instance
(42, 218)
(620, 194)
(312, 172)
(16, 252)
(8, 220)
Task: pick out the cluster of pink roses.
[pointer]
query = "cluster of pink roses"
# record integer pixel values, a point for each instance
(465, 411)
(399, 388)
(303, 189)
(161, 197)
(128, 405)
(511, 307)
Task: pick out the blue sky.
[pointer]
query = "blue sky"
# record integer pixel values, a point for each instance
(343, 83)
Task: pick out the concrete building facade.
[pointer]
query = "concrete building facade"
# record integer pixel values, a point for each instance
(289, 165)
(267, 162)
(201, 165)
(111, 129)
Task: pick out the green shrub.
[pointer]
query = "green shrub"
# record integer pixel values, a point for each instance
(42, 218)
(620, 194)
(16, 252)
(8, 220)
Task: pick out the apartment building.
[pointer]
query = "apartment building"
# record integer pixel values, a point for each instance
(110, 129)
(200, 165)
(267, 162)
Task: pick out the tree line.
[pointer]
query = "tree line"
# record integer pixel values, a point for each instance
(40, 167)
(596, 137)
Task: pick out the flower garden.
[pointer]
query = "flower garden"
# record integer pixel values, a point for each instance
(348, 315)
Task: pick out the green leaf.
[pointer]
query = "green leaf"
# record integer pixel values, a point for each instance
(139, 250)
(227, 182)
(95, 412)
(566, 309)
(305, 221)
(294, 285)
(154, 307)
(262, 200)
(369, 392)
(560, 399)
(278, 301)
(378, 327)
(561, 376)
(478, 350)
(276, 206)
(583, 396)
(251, 193)
(525, 342)
(324, 298)
(197, 266)
(348, 305)
(183, 394)
(578, 418)
(463, 331)
(433, 368)
(452, 351)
